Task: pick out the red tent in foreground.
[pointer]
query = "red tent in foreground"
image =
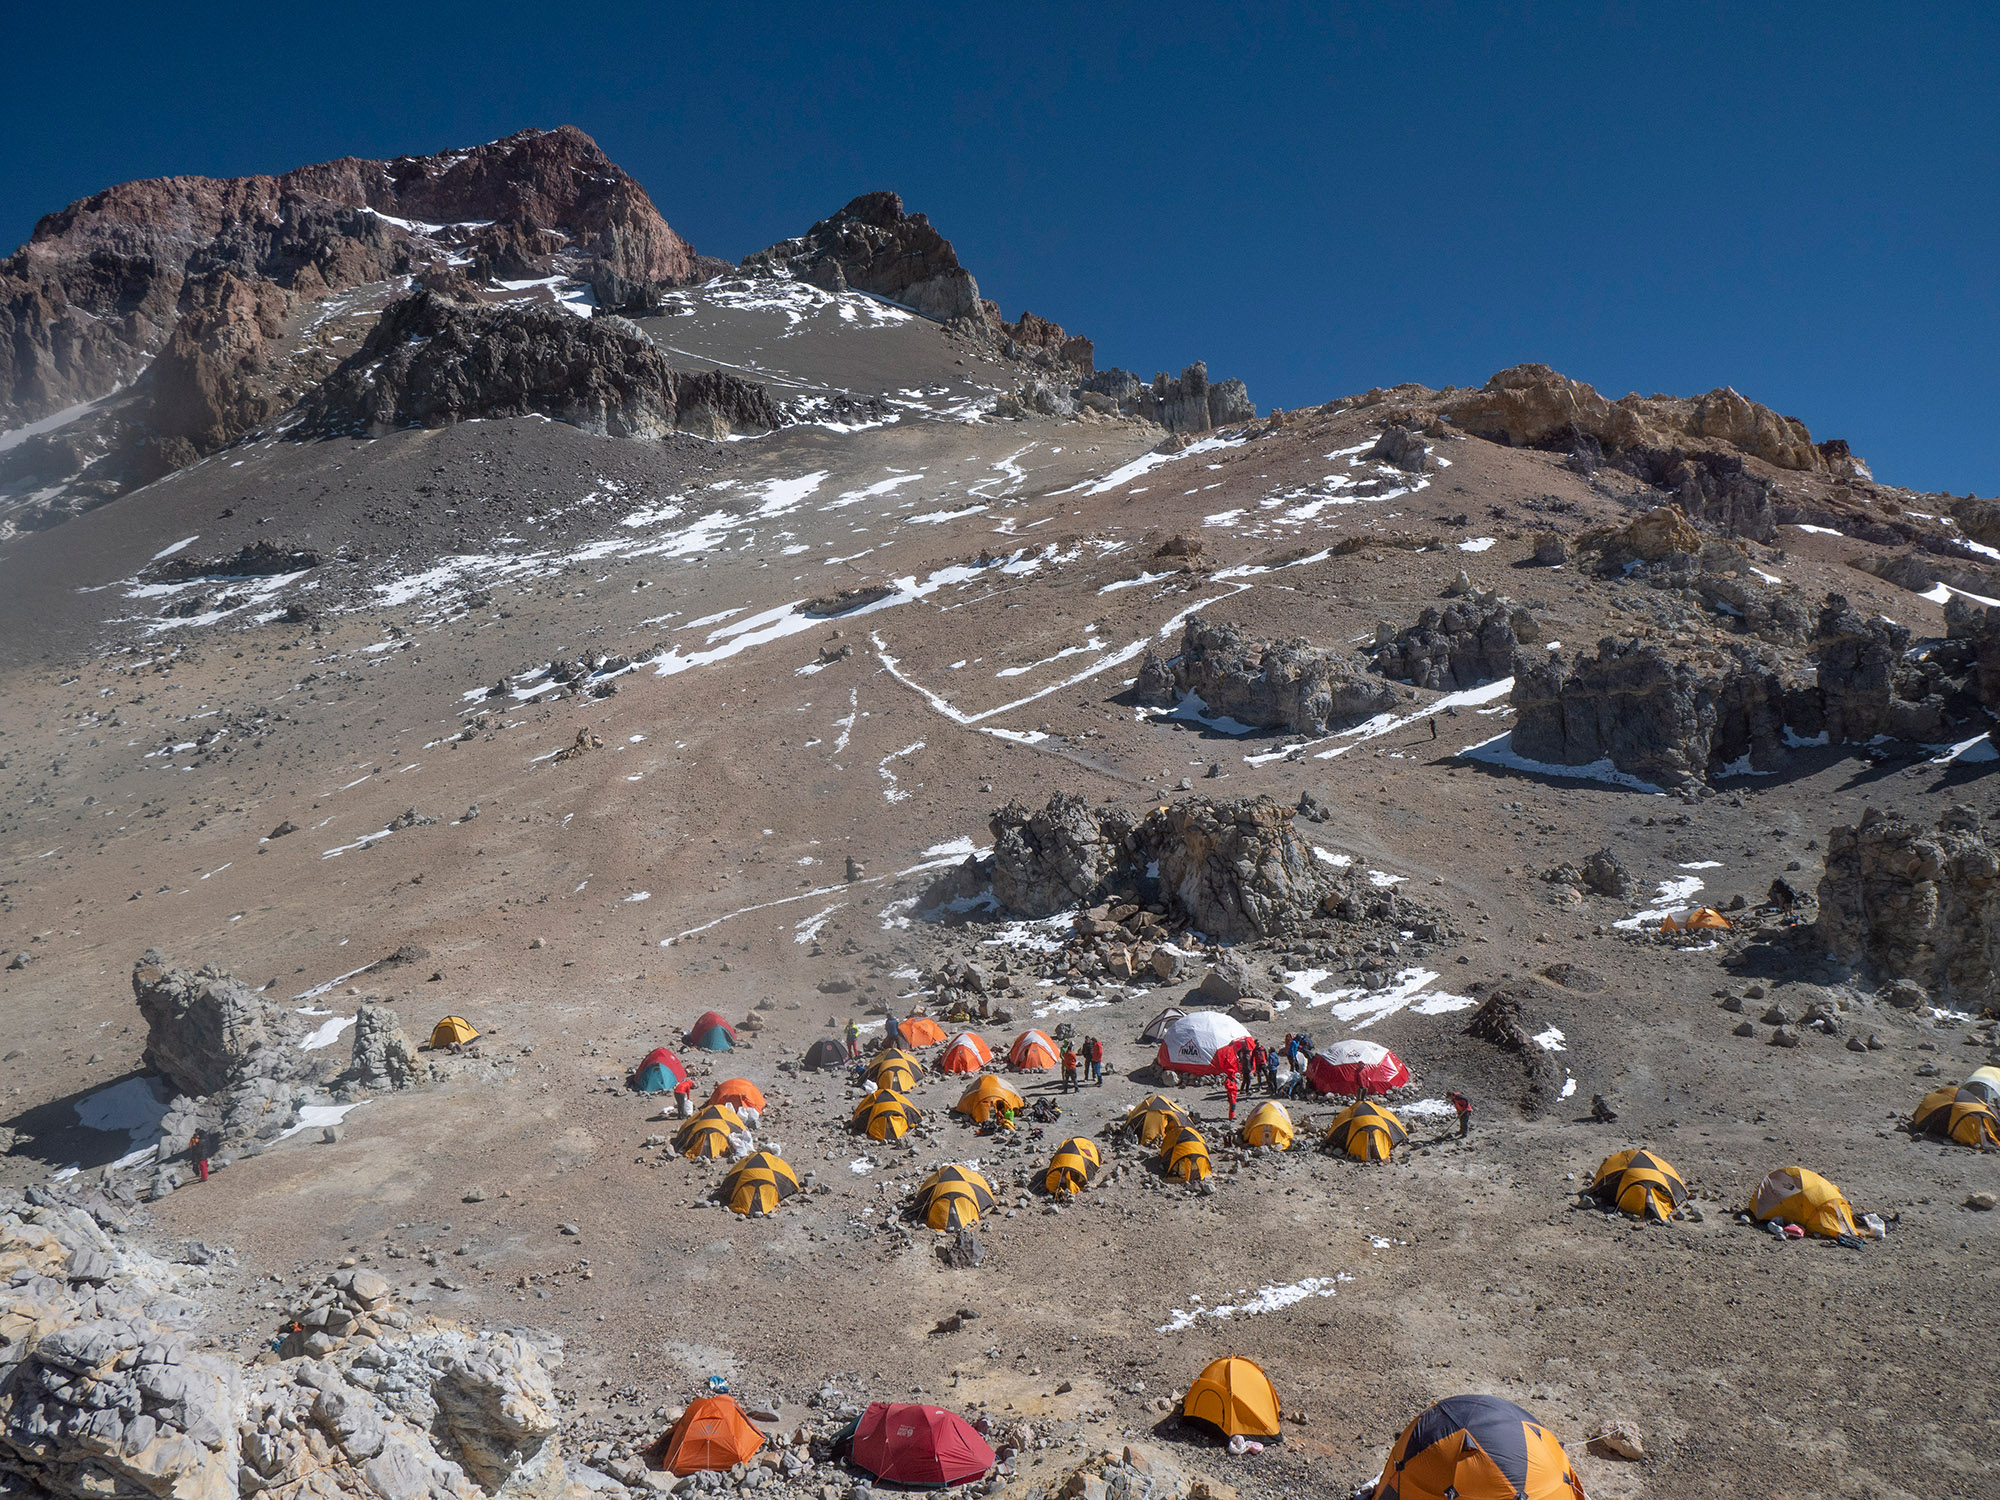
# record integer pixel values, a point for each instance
(1349, 1066)
(908, 1444)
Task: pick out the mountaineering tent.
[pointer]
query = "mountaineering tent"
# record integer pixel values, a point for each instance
(885, 1115)
(1477, 1448)
(1346, 1067)
(1802, 1198)
(985, 1096)
(1959, 1114)
(919, 1445)
(1033, 1052)
(1366, 1131)
(1985, 1082)
(921, 1031)
(453, 1031)
(661, 1073)
(1234, 1394)
(710, 1033)
(708, 1133)
(953, 1197)
(1187, 1157)
(1151, 1118)
(712, 1433)
(825, 1055)
(1270, 1124)
(1189, 1045)
(1076, 1161)
(1156, 1029)
(759, 1183)
(968, 1053)
(740, 1092)
(1701, 919)
(894, 1070)
(1639, 1183)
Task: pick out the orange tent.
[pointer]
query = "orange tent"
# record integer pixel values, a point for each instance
(1701, 919)
(921, 1031)
(968, 1053)
(740, 1092)
(1032, 1052)
(712, 1433)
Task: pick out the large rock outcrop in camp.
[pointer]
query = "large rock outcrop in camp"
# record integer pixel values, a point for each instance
(1233, 869)
(108, 1393)
(873, 246)
(1907, 900)
(1459, 646)
(1675, 718)
(431, 362)
(206, 1030)
(384, 1057)
(1292, 685)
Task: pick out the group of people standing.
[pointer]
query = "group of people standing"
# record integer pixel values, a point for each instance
(1092, 1059)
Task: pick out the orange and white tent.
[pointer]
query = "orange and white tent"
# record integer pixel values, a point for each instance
(1033, 1052)
(968, 1053)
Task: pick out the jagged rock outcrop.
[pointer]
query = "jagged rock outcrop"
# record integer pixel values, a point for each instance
(1909, 901)
(1532, 406)
(1184, 403)
(1404, 449)
(873, 246)
(1038, 341)
(384, 1057)
(1048, 859)
(1237, 868)
(1464, 644)
(431, 362)
(104, 1392)
(1291, 685)
(206, 1030)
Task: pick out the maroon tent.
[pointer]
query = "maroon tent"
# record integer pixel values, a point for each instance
(908, 1444)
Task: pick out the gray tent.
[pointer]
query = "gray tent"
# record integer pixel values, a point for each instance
(1156, 1029)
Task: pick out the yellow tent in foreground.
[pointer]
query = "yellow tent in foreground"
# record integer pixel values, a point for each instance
(1802, 1198)
(453, 1031)
(985, 1096)
(1957, 1114)
(1151, 1118)
(1641, 1183)
(759, 1183)
(1235, 1395)
(1366, 1131)
(1270, 1124)
(1076, 1161)
(1187, 1157)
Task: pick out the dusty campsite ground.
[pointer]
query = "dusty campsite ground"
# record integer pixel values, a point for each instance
(697, 859)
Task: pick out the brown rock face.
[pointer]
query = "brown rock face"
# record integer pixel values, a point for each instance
(104, 285)
(1907, 901)
(1291, 684)
(1532, 406)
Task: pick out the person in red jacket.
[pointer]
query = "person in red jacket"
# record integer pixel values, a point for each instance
(1069, 1068)
(1093, 1060)
(1229, 1088)
(1464, 1107)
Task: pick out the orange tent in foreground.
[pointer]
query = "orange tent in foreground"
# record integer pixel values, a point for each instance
(968, 1053)
(1032, 1052)
(712, 1433)
(740, 1092)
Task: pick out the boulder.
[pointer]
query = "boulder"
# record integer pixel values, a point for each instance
(1052, 858)
(1228, 980)
(205, 1030)
(1237, 869)
(1401, 448)
(1459, 646)
(384, 1058)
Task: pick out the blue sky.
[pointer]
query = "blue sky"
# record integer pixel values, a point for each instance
(1799, 201)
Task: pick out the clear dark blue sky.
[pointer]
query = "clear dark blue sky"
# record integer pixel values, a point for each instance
(1796, 200)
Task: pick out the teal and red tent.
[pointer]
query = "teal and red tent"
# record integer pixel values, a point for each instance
(661, 1073)
(711, 1033)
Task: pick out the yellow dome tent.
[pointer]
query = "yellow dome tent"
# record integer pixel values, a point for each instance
(885, 1115)
(1477, 1448)
(1151, 1117)
(759, 1183)
(1234, 1394)
(708, 1133)
(453, 1031)
(1076, 1161)
(1366, 1131)
(953, 1197)
(1639, 1183)
(894, 1069)
(1270, 1124)
(985, 1096)
(1802, 1198)
(1187, 1157)
(1957, 1114)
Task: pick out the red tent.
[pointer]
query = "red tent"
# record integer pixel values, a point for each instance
(669, 1065)
(1346, 1066)
(908, 1444)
